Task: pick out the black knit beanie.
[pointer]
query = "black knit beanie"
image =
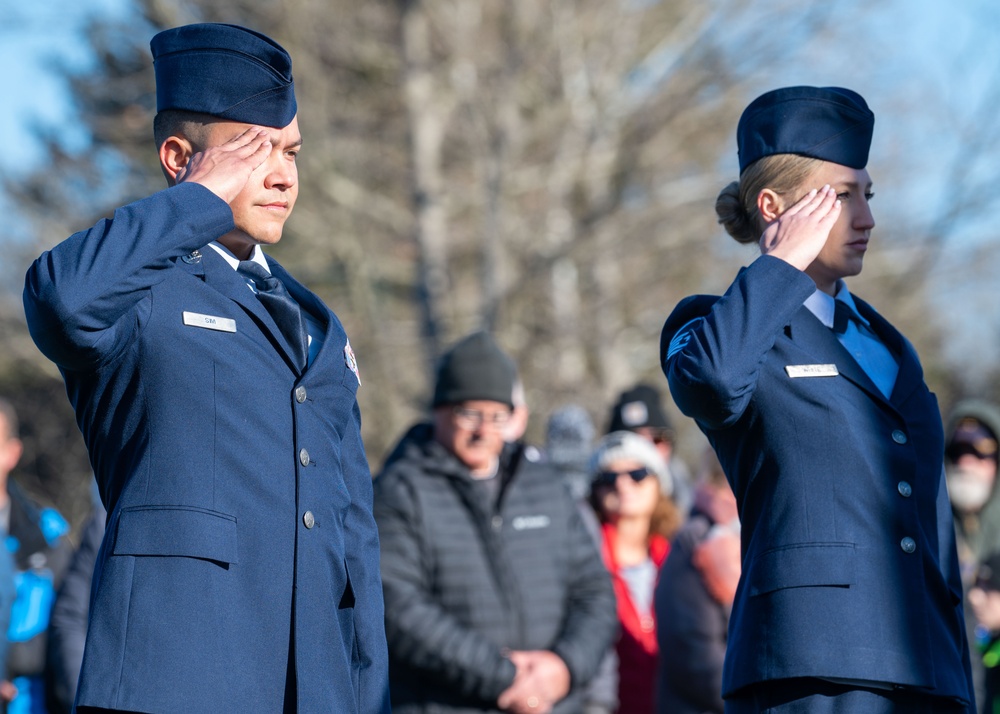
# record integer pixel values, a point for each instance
(475, 369)
(638, 407)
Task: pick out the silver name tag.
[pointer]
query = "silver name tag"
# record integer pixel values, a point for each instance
(811, 370)
(210, 322)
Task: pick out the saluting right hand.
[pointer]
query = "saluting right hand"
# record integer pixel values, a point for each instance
(799, 234)
(225, 169)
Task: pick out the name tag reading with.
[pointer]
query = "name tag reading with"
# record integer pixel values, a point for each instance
(209, 322)
(811, 370)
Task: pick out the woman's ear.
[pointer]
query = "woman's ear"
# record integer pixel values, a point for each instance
(770, 205)
(175, 152)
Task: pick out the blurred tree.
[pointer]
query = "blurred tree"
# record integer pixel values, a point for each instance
(543, 168)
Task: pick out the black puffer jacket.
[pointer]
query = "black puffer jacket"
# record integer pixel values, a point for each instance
(464, 580)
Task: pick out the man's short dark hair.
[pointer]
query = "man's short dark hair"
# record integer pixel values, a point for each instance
(172, 122)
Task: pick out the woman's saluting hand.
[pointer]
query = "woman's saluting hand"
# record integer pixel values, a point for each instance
(798, 235)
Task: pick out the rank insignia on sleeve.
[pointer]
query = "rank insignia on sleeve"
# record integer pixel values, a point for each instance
(682, 337)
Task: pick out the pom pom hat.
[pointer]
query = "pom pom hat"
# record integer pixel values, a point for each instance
(628, 446)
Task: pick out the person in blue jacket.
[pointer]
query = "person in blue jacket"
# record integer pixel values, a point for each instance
(217, 397)
(850, 598)
(33, 559)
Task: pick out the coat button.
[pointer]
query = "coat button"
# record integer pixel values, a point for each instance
(908, 544)
(497, 522)
(300, 394)
(303, 457)
(899, 436)
(192, 258)
(308, 520)
(905, 490)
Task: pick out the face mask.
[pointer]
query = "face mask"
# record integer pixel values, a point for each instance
(968, 492)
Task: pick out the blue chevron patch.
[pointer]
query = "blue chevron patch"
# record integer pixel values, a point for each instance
(682, 337)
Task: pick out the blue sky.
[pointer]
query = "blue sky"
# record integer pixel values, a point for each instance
(33, 36)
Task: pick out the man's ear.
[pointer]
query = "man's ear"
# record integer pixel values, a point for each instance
(770, 205)
(175, 152)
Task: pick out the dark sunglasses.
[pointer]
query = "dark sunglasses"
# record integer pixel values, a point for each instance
(609, 478)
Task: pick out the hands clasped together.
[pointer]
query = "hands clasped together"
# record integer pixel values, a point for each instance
(542, 679)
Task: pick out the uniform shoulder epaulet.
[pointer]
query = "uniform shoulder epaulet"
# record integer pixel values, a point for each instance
(676, 330)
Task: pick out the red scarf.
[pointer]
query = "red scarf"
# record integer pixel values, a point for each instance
(638, 652)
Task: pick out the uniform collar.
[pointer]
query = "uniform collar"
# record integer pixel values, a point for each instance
(821, 304)
(256, 256)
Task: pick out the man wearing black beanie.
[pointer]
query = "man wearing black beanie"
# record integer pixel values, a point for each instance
(496, 597)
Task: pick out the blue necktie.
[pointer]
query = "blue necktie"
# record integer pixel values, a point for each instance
(282, 308)
(842, 314)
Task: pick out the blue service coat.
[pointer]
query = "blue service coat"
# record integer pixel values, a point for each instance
(849, 562)
(238, 492)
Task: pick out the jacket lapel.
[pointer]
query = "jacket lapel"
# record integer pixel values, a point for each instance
(309, 302)
(220, 275)
(911, 375)
(812, 336)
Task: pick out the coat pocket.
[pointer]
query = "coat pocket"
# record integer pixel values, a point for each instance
(803, 565)
(177, 531)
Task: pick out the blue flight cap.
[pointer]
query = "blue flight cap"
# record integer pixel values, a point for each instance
(226, 71)
(828, 123)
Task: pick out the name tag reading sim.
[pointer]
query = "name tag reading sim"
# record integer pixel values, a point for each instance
(811, 370)
(209, 322)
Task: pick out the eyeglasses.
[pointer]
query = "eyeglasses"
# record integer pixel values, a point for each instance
(472, 419)
(610, 478)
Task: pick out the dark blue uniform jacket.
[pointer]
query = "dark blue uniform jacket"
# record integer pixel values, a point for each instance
(849, 561)
(237, 489)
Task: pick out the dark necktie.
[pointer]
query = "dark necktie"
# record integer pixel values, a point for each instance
(842, 314)
(282, 308)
